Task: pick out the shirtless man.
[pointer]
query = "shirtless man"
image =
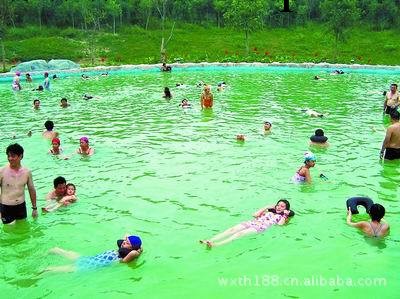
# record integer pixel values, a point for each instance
(13, 178)
(207, 98)
(391, 144)
(49, 133)
(392, 100)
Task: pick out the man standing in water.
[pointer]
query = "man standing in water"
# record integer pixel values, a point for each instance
(13, 178)
(391, 99)
(391, 144)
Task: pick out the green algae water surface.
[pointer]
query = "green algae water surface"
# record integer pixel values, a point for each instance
(175, 176)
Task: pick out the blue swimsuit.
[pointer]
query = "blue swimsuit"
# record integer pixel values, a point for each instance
(97, 261)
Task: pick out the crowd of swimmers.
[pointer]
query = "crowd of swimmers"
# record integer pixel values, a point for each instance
(13, 205)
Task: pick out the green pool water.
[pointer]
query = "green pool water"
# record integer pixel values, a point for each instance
(176, 176)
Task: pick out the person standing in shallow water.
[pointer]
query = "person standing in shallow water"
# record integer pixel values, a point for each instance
(84, 148)
(392, 99)
(391, 144)
(13, 179)
(207, 98)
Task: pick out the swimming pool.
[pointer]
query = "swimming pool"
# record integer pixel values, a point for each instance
(175, 176)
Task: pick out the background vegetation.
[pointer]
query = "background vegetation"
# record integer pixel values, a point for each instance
(149, 31)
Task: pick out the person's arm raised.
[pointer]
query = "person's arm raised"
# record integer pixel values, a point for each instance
(262, 211)
(132, 255)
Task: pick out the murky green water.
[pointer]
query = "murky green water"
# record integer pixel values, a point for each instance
(175, 176)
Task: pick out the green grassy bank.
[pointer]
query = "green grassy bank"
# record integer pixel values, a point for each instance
(191, 43)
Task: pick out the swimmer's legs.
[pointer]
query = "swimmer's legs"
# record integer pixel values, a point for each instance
(72, 255)
(67, 268)
(246, 231)
(230, 231)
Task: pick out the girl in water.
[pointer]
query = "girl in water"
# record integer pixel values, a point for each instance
(303, 174)
(16, 86)
(128, 249)
(264, 218)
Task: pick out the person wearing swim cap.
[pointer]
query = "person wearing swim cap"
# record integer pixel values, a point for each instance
(55, 147)
(84, 148)
(16, 86)
(129, 249)
(303, 174)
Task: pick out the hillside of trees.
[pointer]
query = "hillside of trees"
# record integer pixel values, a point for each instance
(85, 23)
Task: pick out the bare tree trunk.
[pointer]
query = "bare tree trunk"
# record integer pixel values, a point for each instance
(148, 20)
(114, 24)
(246, 32)
(3, 56)
(73, 20)
(40, 18)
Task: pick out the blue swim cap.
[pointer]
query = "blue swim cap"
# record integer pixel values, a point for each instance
(135, 242)
(309, 156)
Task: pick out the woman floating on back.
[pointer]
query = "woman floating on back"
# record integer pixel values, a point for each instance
(264, 219)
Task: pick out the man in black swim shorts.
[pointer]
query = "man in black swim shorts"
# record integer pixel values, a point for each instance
(13, 179)
(391, 144)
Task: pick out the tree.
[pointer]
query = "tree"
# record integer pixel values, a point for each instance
(161, 6)
(114, 9)
(245, 15)
(340, 15)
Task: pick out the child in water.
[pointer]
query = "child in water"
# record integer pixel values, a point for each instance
(303, 174)
(70, 197)
(128, 249)
(185, 104)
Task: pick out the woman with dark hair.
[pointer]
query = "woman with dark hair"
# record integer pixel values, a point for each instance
(375, 228)
(264, 218)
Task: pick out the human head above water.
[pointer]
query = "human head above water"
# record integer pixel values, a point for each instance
(49, 125)
(59, 181)
(130, 243)
(376, 212)
(14, 149)
(395, 115)
(84, 139)
(267, 125)
(71, 189)
(309, 157)
(286, 202)
(319, 132)
(56, 141)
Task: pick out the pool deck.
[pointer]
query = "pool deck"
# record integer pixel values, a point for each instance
(214, 64)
